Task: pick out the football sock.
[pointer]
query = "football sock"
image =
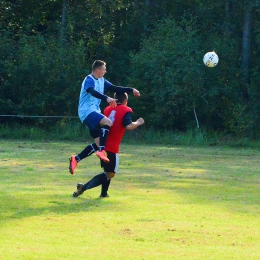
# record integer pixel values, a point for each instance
(95, 181)
(103, 137)
(104, 187)
(87, 152)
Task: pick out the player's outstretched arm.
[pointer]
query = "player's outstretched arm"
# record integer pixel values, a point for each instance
(134, 125)
(120, 89)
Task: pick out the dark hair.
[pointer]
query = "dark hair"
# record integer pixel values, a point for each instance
(121, 97)
(97, 64)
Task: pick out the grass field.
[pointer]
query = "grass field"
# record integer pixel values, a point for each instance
(165, 203)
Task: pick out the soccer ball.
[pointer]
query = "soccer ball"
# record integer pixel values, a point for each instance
(210, 59)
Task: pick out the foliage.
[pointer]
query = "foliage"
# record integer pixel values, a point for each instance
(155, 46)
(175, 83)
(41, 78)
(160, 71)
(69, 129)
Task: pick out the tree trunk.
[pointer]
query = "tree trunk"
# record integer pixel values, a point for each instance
(228, 14)
(146, 14)
(64, 21)
(246, 51)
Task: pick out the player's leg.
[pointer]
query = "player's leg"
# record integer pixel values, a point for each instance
(101, 179)
(104, 130)
(74, 159)
(111, 169)
(90, 149)
(95, 120)
(94, 182)
(105, 123)
(105, 185)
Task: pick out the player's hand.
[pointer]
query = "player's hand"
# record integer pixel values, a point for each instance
(140, 121)
(136, 93)
(112, 102)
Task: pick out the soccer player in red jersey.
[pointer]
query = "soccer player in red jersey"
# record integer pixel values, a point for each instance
(121, 117)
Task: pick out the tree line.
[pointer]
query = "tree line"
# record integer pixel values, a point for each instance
(156, 46)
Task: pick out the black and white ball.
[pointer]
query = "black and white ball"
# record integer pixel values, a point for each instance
(210, 59)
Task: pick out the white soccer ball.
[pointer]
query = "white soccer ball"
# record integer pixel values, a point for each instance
(210, 59)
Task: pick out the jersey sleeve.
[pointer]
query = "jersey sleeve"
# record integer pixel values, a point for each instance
(89, 83)
(120, 89)
(96, 94)
(107, 85)
(127, 119)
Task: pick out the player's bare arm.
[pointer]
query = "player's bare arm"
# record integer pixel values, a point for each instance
(134, 125)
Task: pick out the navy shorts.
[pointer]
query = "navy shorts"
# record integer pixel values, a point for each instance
(111, 166)
(92, 121)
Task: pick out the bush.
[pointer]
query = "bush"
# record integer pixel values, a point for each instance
(42, 78)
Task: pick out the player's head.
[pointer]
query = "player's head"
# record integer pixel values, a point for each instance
(97, 64)
(99, 68)
(122, 98)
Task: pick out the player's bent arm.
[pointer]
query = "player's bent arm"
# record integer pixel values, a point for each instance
(97, 94)
(120, 89)
(135, 124)
(111, 101)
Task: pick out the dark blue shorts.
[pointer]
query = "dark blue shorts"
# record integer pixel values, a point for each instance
(92, 121)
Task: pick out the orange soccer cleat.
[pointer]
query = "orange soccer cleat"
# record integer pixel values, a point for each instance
(73, 164)
(102, 155)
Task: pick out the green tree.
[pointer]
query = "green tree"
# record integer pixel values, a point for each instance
(47, 48)
(169, 74)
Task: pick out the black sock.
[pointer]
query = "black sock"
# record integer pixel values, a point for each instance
(103, 136)
(95, 181)
(104, 188)
(87, 152)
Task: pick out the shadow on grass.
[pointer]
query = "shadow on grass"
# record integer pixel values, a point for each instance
(27, 205)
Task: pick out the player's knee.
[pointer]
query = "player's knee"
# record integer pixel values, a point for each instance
(111, 175)
(109, 122)
(106, 121)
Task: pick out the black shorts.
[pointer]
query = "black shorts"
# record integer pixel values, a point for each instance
(111, 166)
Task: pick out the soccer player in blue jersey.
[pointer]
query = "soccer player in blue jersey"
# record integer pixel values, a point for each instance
(92, 92)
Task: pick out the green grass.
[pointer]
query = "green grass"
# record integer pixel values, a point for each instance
(166, 202)
(73, 130)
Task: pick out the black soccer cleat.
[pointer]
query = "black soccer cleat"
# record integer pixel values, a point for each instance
(79, 190)
(106, 196)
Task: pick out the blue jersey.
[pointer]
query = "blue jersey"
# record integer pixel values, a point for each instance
(88, 103)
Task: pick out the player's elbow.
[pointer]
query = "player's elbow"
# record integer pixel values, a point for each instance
(131, 127)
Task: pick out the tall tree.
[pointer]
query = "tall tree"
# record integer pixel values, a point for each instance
(246, 50)
(64, 21)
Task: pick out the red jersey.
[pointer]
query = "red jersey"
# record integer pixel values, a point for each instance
(117, 130)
